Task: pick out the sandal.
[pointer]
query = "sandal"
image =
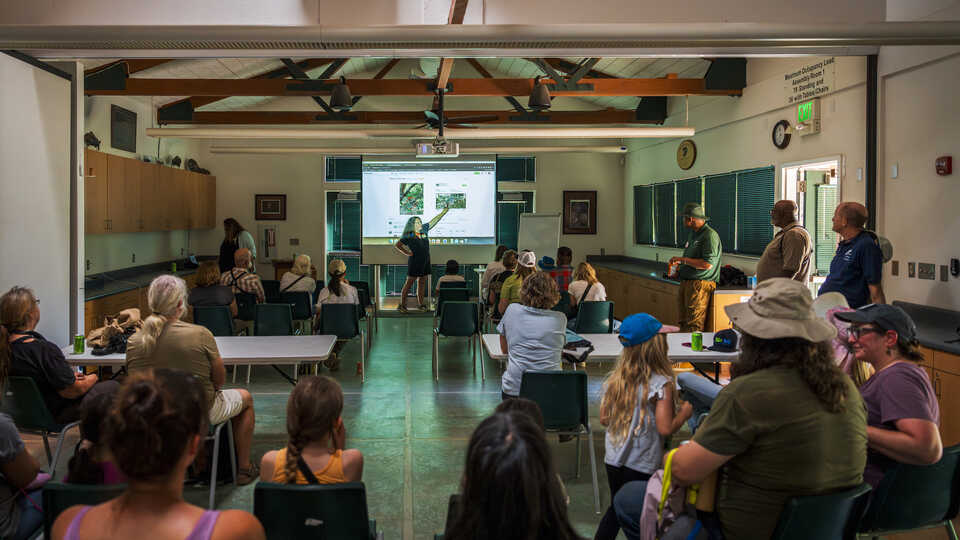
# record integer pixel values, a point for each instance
(248, 475)
(402, 308)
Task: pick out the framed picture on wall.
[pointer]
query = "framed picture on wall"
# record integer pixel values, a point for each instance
(123, 129)
(270, 207)
(579, 212)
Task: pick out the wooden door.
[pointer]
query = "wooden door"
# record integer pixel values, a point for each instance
(180, 213)
(194, 194)
(152, 207)
(166, 199)
(210, 202)
(947, 386)
(123, 195)
(927, 362)
(130, 219)
(94, 192)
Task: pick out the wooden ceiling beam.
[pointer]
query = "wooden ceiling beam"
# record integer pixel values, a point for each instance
(607, 116)
(569, 67)
(458, 8)
(405, 87)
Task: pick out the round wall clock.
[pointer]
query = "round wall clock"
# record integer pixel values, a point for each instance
(781, 134)
(686, 154)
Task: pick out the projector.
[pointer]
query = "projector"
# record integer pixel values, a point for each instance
(439, 148)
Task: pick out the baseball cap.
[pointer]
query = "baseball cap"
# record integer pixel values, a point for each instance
(528, 259)
(886, 317)
(547, 262)
(640, 327)
(725, 341)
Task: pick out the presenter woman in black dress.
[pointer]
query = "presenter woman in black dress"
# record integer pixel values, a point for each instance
(416, 246)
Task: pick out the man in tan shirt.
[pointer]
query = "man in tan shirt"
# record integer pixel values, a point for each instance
(788, 254)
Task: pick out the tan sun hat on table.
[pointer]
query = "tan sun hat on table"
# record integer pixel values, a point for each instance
(780, 308)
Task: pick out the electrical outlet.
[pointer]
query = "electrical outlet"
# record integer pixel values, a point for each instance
(133, 257)
(894, 268)
(927, 271)
(294, 241)
(911, 269)
(944, 272)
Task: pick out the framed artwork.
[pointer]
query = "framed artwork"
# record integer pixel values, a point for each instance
(270, 207)
(123, 129)
(579, 212)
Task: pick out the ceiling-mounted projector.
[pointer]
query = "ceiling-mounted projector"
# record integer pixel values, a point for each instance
(438, 148)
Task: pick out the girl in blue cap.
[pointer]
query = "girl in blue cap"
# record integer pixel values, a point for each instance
(638, 408)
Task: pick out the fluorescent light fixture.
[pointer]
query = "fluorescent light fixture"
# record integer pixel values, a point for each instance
(453, 133)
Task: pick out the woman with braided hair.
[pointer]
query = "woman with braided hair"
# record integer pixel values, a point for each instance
(315, 452)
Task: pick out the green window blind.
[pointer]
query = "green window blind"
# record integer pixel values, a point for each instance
(825, 243)
(755, 198)
(343, 223)
(516, 169)
(509, 207)
(642, 214)
(355, 270)
(720, 194)
(344, 169)
(665, 222)
(689, 190)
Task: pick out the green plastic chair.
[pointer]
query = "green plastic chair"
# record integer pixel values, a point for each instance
(217, 319)
(453, 285)
(273, 320)
(24, 403)
(58, 496)
(562, 396)
(450, 295)
(366, 301)
(458, 319)
(912, 497)
(246, 305)
(215, 434)
(301, 308)
(832, 515)
(314, 511)
(343, 321)
(594, 318)
(563, 305)
(271, 291)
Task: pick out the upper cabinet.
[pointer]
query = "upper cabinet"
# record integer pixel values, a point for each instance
(128, 195)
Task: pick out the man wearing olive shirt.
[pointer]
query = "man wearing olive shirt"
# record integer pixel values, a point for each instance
(699, 268)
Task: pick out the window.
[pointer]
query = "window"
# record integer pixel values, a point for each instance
(343, 168)
(688, 191)
(720, 192)
(343, 221)
(510, 204)
(516, 169)
(664, 210)
(826, 240)
(755, 198)
(642, 214)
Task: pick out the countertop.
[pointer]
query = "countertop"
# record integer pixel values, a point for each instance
(650, 270)
(128, 279)
(935, 326)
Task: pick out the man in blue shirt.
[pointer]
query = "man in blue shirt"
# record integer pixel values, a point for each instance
(856, 269)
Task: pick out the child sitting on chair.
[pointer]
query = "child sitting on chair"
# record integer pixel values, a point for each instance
(452, 274)
(315, 452)
(92, 462)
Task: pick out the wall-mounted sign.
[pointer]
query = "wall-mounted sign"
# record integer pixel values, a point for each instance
(810, 81)
(808, 117)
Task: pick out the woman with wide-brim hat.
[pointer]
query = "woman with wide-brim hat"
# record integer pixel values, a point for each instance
(789, 423)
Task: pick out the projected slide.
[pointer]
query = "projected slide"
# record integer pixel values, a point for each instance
(461, 193)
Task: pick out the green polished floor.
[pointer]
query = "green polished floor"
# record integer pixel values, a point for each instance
(413, 431)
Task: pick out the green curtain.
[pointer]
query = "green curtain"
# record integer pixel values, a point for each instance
(720, 194)
(755, 198)
(344, 168)
(664, 206)
(642, 214)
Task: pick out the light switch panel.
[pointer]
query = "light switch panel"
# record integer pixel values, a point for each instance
(927, 271)
(895, 268)
(911, 269)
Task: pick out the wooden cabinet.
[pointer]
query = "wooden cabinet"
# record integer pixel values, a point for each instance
(927, 362)
(944, 371)
(96, 310)
(717, 316)
(634, 294)
(128, 195)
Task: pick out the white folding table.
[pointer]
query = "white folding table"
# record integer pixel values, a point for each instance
(607, 347)
(238, 350)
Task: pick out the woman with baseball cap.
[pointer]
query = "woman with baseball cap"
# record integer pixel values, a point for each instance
(510, 292)
(789, 423)
(902, 409)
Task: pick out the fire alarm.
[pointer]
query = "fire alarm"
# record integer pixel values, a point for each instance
(944, 165)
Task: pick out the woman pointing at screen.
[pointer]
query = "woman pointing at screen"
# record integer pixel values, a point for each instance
(416, 246)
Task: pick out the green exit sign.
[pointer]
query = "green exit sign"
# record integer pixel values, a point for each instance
(808, 117)
(805, 112)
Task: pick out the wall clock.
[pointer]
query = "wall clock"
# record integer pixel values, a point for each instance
(781, 134)
(686, 154)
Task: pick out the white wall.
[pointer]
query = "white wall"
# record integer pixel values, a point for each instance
(113, 251)
(735, 133)
(35, 176)
(167, 12)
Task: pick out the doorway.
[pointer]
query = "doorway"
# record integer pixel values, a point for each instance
(815, 186)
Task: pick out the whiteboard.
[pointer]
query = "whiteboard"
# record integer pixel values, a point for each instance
(539, 233)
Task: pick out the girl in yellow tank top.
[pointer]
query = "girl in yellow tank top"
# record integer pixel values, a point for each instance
(317, 437)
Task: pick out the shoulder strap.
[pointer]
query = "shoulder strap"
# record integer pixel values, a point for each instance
(292, 284)
(585, 292)
(236, 277)
(305, 470)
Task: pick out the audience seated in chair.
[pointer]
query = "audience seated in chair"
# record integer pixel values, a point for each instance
(452, 273)
(337, 291)
(154, 432)
(92, 463)
(531, 409)
(241, 278)
(167, 342)
(789, 423)
(21, 480)
(510, 291)
(584, 288)
(903, 414)
(317, 438)
(209, 291)
(639, 409)
(28, 354)
(298, 278)
(531, 333)
(562, 272)
(495, 287)
(493, 269)
(510, 487)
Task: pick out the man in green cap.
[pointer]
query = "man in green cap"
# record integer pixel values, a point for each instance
(699, 268)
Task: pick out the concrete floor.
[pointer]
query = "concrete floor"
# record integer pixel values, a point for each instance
(412, 431)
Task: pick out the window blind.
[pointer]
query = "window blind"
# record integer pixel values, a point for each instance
(755, 198)
(688, 191)
(344, 168)
(516, 169)
(508, 216)
(664, 206)
(720, 194)
(825, 243)
(642, 214)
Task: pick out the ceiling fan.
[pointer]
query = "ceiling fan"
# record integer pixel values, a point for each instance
(434, 115)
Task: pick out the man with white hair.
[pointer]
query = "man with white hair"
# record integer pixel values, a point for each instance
(240, 278)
